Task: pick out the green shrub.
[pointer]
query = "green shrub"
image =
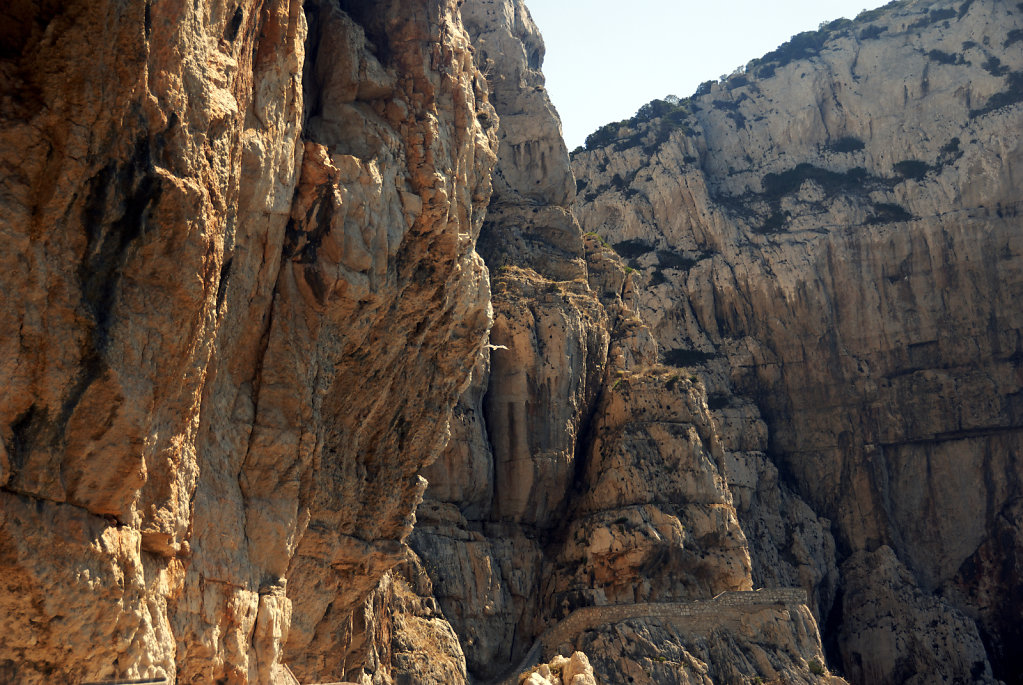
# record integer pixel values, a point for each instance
(670, 105)
(703, 88)
(672, 110)
(872, 32)
(801, 46)
(816, 667)
(1014, 36)
(604, 136)
(737, 82)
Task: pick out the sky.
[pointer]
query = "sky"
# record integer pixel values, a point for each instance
(606, 58)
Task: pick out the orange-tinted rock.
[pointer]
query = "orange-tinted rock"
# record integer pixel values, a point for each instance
(242, 299)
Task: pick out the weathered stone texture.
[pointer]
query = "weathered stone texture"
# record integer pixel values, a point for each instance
(241, 300)
(586, 473)
(831, 240)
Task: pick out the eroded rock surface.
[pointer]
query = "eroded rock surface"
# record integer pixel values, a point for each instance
(241, 298)
(830, 240)
(592, 474)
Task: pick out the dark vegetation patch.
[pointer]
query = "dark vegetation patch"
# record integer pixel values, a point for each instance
(846, 144)
(718, 400)
(945, 57)
(950, 152)
(872, 32)
(738, 119)
(777, 185)
(737, 82)
(680, 357)
(994, 66)
(912, 168)
(673, 112)
(1012, 94)
(633, 248)
(933, 17)
(801, 46)
(775, 223)
(667, 259)
(886, 213)
(1014, 36)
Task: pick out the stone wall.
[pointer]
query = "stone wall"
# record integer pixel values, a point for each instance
(724, 607)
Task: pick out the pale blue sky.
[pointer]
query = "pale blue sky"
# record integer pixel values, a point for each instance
(606, 58)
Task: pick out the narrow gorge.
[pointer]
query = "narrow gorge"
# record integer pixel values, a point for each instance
(323, 360)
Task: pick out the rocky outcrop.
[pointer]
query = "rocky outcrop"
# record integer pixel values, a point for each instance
(766, 645)
(574, 670)
(828, 239)
(241, 300)
(245, 314)
(585, 473)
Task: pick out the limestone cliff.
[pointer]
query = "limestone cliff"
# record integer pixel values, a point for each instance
(240, 299)
(581, 473)
(244, 311)
(830, 240)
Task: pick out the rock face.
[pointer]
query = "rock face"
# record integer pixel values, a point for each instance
(244, 313)
(583, 473)
(241, 298)
(830, 241)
